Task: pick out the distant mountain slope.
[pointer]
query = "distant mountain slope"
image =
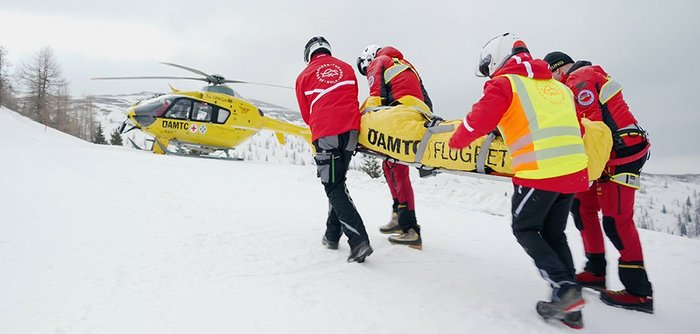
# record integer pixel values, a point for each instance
(670, 204)
(278, 112)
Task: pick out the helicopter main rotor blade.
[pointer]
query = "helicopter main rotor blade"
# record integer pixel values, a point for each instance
(148, 77)
(256, 83)
(210, 78)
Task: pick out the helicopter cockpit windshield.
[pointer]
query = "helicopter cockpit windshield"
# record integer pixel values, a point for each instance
(146, 111)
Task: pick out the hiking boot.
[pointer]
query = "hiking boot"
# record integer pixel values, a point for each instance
(573, 320)
(411, 238)
(423, 173)
(628, 301)
(392, 226)
(360, 252)
(567, 302)
(590, 280)
(329, 244)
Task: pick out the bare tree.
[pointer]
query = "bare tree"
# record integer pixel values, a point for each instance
(85, 118)
(40, 79)
(6, 91)
(61, 109)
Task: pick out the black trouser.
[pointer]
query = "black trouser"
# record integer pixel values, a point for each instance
(539, 220)
(333, 155)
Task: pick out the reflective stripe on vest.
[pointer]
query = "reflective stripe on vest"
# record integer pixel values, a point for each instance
(609, 90)
(395, 70)
(541, 129)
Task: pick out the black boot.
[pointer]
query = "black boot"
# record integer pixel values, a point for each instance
(329, 244)
(360, 252)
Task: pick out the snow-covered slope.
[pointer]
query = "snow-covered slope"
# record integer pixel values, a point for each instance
(103, 239)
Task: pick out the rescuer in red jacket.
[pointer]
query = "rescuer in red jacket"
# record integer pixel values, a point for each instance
(537, 118)
(327, 95)
(393, 80)
(599, 98)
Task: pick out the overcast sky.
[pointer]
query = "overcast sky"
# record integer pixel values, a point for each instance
(650, 47)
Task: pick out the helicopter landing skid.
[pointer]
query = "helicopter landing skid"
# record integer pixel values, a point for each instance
(198, 151)
(134, 144)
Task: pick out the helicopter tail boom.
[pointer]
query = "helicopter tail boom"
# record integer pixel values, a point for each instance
(281, 128)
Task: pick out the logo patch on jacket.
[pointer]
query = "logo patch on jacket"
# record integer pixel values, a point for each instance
(329, 73)
(585, 97)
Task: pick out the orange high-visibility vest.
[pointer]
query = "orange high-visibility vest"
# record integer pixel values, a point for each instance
(541, 129)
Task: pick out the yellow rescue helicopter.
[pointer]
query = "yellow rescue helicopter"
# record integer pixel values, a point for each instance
(204, 122)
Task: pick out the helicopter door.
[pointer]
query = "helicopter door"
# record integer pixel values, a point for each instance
(180, 109)
(202, 112)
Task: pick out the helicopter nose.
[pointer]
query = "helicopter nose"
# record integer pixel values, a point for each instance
(142, 118)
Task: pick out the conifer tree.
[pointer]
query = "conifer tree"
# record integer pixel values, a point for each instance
(99, 136)
(371, 166)
(682, 227)
(116, 137)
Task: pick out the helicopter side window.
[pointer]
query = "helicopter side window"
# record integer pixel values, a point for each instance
(202, 112)
(222, 116)
(180, 109)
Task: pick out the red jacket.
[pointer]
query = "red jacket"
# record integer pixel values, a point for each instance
(327, 96)
(405, 83)
(586, 81)
(488, 111)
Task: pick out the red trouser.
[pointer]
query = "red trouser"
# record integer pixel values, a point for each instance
(402, 192)
(399, 183)
(617, 203)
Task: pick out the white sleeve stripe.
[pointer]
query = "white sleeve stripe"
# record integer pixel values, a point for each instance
(466, 125)
(309, 92)
(323, 92)
(528, 67)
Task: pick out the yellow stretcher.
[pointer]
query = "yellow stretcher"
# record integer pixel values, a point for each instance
(409, 136)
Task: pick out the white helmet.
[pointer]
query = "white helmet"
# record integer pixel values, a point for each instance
(495, 53)
(314, 45)
(369, 53)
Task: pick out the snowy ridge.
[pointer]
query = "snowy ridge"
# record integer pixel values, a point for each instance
(278, 112)
(103, 239)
